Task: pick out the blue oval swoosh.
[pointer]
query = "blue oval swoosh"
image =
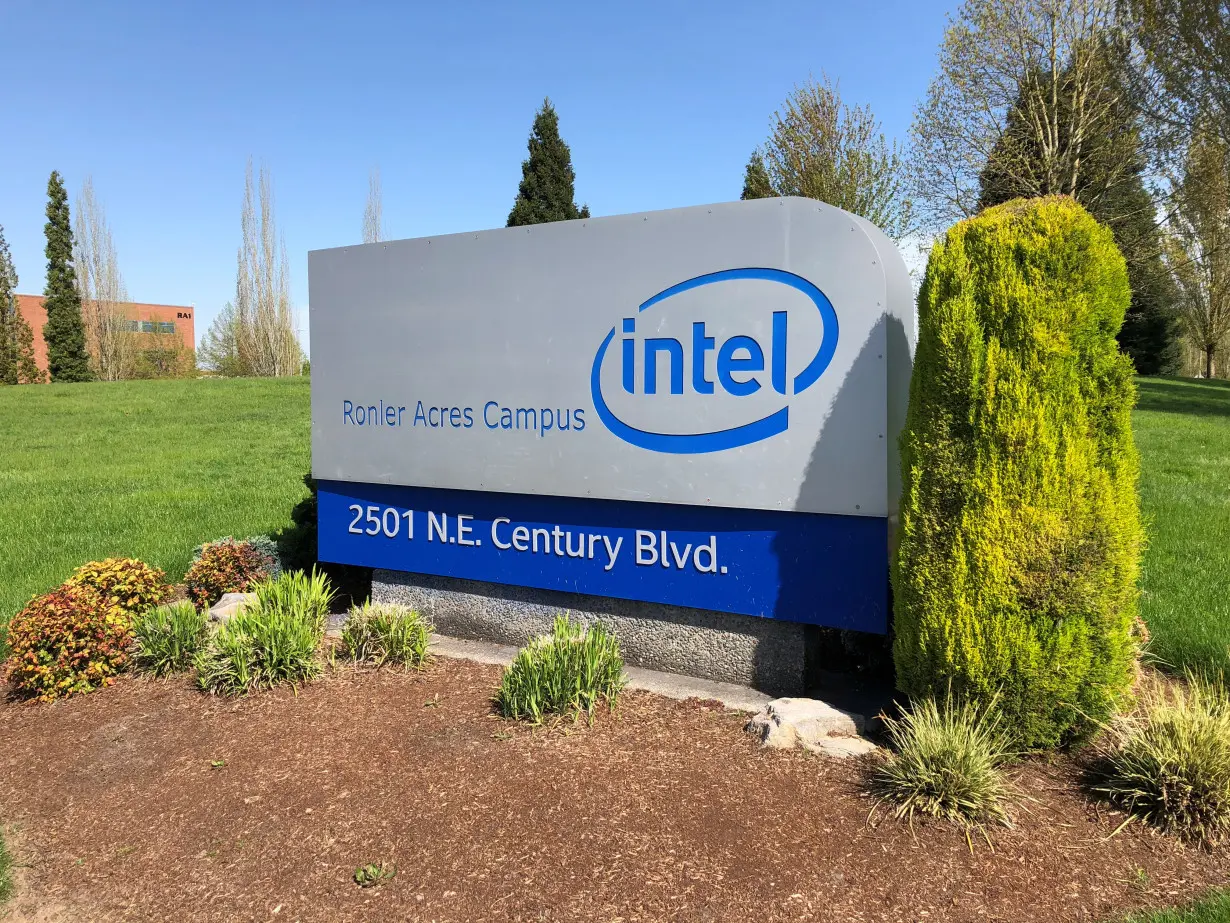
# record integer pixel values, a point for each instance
(774, 423)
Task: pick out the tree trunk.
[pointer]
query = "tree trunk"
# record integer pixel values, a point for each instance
(1210, 361)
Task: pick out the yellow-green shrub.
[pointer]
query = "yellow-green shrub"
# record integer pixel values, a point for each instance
(1020, 535)
(130, 584)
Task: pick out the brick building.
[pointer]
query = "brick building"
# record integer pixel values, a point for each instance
(142, 319)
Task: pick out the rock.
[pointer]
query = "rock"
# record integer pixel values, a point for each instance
(811, 724)
(841, 748)
(230, 604)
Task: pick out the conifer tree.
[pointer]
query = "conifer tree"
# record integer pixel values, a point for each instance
(64, 332)
(17, 365)
(8, 315)
(547, 191)
(756, 182)
(1015, 580)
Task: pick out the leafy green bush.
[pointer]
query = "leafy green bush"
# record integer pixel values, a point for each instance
(571, 670)
(263, 544)
(1020, 537)
(946, 762)
(168, 637)
(272, 641)
(67, 641)
(380, 633)
(127, 583)
(1170, 766)
(225, 566)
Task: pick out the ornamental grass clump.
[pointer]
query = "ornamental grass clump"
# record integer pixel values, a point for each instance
(1016, 572)
(946, 762)
(68, 641)
(380, 633)
(168, 637)
(126, 583)
(571, 670)
(275, 640)
(1169, 765)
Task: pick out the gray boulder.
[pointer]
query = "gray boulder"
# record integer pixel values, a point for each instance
(229, 605)
(812, 725)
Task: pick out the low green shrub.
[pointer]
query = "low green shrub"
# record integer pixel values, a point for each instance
(225, 566)
(263, 544)
(380, 633)
(168, 637)
(374, 873)
(67, 641)
(272, 641)
(127, 583)
(1170, 764)
(571, 670)
(946, 762)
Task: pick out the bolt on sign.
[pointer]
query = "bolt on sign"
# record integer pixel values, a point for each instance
(694, 407)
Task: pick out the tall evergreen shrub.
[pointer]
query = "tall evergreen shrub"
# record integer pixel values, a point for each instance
(1020, 528)
(547, 190)
(64, 332)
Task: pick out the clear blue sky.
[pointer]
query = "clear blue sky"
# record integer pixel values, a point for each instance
(162, 103)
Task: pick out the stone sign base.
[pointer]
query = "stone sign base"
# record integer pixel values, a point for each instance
(770, 655)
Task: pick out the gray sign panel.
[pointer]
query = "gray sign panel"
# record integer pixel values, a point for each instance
(748, 355)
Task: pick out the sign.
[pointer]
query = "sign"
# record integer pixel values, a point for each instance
(696, 407)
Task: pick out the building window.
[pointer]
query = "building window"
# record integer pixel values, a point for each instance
(165, 326)
(132, 326)
(147, 326)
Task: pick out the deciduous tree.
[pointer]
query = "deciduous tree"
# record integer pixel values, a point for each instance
(547, 191)
(64, 332)
(1184, 64)
(266, 339)
(1110, 183)
(823, 149)
(373, 212)
(109, 340)
(1199, 246)
(1022, 83)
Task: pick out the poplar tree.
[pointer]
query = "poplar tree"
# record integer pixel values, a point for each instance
(64, 332)
(547, 191)
(822, 148)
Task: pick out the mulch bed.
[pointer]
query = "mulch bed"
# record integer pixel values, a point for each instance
(120, 806)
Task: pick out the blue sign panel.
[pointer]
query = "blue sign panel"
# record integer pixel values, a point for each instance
(803, 567)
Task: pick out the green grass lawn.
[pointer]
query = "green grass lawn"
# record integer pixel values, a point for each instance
(1215, 909)
(6, 872)
(146, 469)
(1183, 431)
(153, 468)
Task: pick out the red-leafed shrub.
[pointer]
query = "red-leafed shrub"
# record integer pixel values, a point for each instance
(226, 566)
(66, 641)
(130, 584)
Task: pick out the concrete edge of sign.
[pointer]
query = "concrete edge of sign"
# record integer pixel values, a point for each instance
(770, 655)
(670, 685)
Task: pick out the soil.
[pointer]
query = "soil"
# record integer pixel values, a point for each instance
(150, 801)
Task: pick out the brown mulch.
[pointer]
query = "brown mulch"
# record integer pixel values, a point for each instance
(151, 801)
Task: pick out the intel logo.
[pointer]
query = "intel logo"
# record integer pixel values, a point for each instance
(711, 363)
